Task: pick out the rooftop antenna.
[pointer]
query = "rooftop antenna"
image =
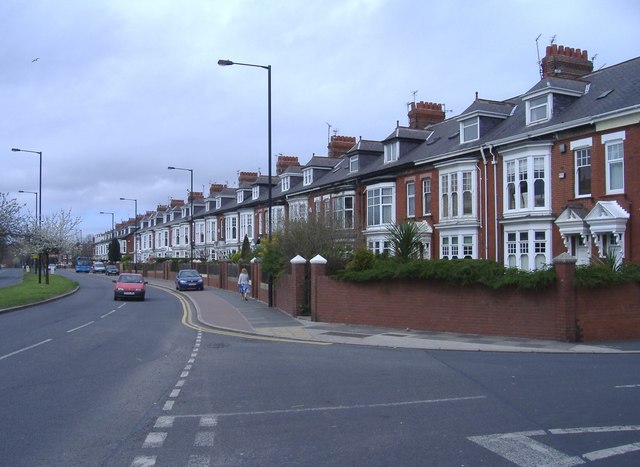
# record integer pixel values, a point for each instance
(328, 133)
(553, 39)
(539, 61)
(336, 131)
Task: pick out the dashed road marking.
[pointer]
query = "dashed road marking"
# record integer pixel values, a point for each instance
(80, 327)
(24, 349)
(204, 439)
(168, 405)
(625, 386)
(155, 439)
(144, 461)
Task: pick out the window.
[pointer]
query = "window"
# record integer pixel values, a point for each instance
(200, 232)
(455, 202)
(218, 203)
(457, 246)
(231, 229)
(538, 109)
(426, 196)
(527, 249)
(307, 175)
(379, 246)
(255, 192)
(525, 183)
(411, 199)
(185, 233)
(286, 183)
(246, 225)
(343, 212)
(583, 172)
(469, 130)
(614, 151)
(239, 196)
(298, 210)
(354, 164)
(379, 206)
(212, 224)
(390, 152)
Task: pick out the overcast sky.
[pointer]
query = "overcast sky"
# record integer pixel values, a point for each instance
(121, 89)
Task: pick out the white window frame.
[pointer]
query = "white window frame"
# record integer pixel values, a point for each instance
(579, 149)
(459, 244)
(239, 196)
(231, 228)
(469, 130)
(255, 192)
(456, 182)
(246, 225)
(426, 196)
(383, 211)
(354, 164)
(531, 165)
(525, 249)
(391, 152)
(534, 104)
(611, 141)
(307, 177)
(212, 225)
(285, 183)
(298, 210)
(411, 199)
(343, 213)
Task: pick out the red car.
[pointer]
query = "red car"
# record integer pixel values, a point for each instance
(129, 286)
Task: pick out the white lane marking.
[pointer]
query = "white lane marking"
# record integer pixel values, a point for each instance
(144, 461)
(180, 383)
(196, 460)
(164, 422)
(155, 439)
(594, 429)
(191, 360)
(80, 327)
(25, 348)
(175, 393)
(184, 374)
(168, 405)
(194, 355)
(520, 449)
(627, 386)
(616, 451)
(188, 367)
(107, 314)
(204, 439)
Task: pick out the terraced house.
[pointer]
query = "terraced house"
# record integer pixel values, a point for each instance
(555, 169)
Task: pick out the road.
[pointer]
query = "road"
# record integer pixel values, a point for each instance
(89, 381)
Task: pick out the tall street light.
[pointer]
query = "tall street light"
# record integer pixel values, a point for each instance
(270, 205)
(135, 260)
(191, 236)
(113, 227)
(39, 153)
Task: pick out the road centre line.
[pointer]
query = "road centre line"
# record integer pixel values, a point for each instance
(23, 349)
(107, 314)
(80, 327)
(624, 386)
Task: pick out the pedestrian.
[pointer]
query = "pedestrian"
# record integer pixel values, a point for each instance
(243, 283)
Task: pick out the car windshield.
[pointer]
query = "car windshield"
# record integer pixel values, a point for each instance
(129, 279)
(189, 273)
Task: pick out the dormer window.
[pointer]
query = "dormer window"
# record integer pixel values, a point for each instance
(307, 177)
(353, 164)
(390, 152)
(218, 203)
(469, 130)
(239, 196)
(538, 109)
(255, 192)
(285, 183)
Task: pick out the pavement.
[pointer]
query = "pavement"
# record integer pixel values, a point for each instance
(225, 310)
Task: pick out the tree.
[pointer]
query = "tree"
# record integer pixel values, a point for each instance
(114, 253)
(245, 252)
(405, 239)
(11, 223)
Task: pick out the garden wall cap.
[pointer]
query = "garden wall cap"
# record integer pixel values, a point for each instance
(317, 259)
(564, 258)
(298, 260)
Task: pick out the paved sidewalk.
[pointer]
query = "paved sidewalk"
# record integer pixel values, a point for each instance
(223, 309)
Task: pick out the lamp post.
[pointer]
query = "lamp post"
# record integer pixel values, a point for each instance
(35, 270)
(39, 153)
(191, 236)
(135, 258)
(270, 204)
(113, 228)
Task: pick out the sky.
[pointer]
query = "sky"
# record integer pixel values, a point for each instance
(112, 92)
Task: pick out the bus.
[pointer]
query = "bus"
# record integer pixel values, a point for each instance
(83, 264)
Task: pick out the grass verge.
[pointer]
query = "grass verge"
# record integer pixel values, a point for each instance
(30, 291)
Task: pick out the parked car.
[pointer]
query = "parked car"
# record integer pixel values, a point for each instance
(111, 270)
(129, 286)
(52, 268)
(98, 266)
(189, 279)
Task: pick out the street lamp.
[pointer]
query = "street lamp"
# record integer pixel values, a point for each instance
(135, 261)
(270, 205)
(113, 225)
(191, 236)
(35, 270)
(39, 153)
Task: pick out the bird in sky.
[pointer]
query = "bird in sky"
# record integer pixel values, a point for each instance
(35, 59)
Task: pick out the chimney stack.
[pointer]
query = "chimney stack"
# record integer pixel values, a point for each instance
(247, 177)
(339, 145)
(565, 62)
(422, 114)
(284, 162)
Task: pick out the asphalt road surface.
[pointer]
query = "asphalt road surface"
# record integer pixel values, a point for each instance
(89, 381)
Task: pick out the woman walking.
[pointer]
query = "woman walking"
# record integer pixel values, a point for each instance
(243, 283)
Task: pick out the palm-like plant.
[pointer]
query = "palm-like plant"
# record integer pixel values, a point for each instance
(405, 239)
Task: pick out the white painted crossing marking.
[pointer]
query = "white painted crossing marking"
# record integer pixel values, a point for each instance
(175, 393)
(107, 314)
(24, 349)
(196, 460)
(627, 386)
(208, 421)
(204, 439)
(184, 374)
(180, 383)
(164, 422)
(80, 327)
(168, 405)
(155, 439)
(144, 461)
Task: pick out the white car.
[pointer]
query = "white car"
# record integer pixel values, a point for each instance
(99, 266)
